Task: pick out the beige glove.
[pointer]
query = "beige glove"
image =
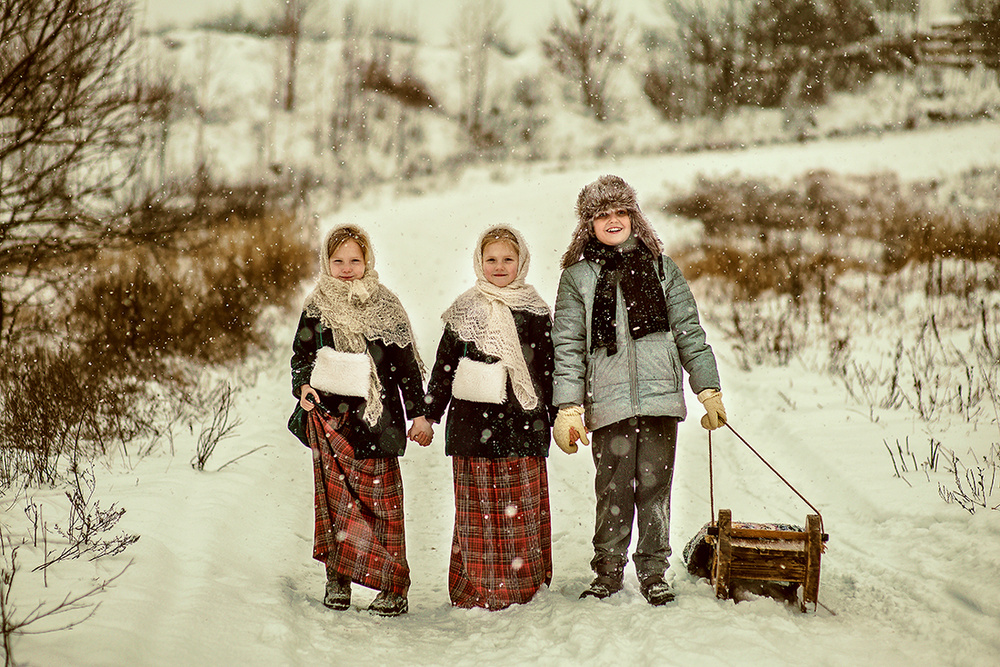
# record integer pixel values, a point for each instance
(570, 417)
(715, 412)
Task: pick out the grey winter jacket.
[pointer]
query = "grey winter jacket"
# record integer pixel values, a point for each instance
(644, 376)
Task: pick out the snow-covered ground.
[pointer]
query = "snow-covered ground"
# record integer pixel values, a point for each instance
(223, 575)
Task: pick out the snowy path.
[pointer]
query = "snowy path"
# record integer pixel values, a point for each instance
(223, 574)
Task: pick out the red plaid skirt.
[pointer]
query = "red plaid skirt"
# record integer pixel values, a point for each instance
(501, 551)
(359, 511)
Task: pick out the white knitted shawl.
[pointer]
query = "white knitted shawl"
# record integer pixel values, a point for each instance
(482, 315)
(358, 311)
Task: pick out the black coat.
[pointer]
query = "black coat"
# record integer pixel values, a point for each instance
(496, 430)
(399, 374)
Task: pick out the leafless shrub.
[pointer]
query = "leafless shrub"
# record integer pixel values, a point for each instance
(907, 460)
(14, 623)
(87, 523)
(763, 335)
(196, 296)
(373, 134)
(60, 403)
(408, 90)
(774, 268)
(925, 375)
(973, 485)
(970, 486)
(83, 535)
(221, 426)
(909, 224)
(666, 91)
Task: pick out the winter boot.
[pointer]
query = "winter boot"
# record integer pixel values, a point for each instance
(656, 591)
(389, 604)
(338, 592)
(608, 581)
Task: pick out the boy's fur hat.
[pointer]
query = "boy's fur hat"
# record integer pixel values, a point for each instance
(608, 192)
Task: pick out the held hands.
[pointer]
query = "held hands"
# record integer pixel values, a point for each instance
(421, 432)
(715, 412)
(569, 428)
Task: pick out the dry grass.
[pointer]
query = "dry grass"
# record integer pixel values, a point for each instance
(758, 236)
(146, 312)
(199, 299)
(815, 266)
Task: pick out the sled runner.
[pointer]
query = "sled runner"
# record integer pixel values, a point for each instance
(769, 559)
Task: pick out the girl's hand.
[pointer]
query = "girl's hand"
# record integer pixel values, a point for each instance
(308, 397)
(421, 432)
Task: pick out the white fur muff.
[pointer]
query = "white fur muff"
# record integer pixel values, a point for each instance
(341, 373)
(479, 382)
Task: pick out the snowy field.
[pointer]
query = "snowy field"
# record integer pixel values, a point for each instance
(223, 575)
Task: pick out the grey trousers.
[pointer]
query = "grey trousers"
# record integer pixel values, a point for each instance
(635, 469)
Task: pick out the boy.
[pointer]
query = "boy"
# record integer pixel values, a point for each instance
(625, 325)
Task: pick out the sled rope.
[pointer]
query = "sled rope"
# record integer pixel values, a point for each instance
(711, 483)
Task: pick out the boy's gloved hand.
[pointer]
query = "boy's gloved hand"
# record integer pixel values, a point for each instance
(569, 428)
(715, 412)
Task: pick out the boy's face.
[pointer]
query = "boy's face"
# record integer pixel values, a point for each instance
(613, 226)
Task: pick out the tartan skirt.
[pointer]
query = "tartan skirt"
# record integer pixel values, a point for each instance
(501, 550)
(359, 510)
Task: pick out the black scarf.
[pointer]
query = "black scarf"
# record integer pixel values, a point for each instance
(635, 270)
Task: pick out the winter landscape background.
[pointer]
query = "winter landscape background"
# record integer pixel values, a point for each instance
(876, 412)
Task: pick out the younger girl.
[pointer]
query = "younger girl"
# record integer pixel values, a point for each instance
(354, 355)
(494, 366)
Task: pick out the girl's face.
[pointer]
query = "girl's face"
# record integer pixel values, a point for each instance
(500, 263)
(613, 226)
(348, 262)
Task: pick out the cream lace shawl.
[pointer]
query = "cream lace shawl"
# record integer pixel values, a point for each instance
(482, 315)
(358, 311)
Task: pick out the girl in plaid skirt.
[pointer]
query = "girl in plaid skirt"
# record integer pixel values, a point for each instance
(354, 356)
(494, 369)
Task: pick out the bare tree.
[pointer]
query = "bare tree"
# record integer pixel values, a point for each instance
(712, 36)
(476, 31)
(586, 50)
(348, 116)
(69, 135)
(291, 26)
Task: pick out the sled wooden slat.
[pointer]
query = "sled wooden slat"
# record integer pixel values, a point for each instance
(767, 555)
(777, 535)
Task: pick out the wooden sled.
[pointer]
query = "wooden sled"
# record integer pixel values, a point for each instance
(787, 557)
(753, 554)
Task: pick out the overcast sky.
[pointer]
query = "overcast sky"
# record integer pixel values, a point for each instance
(433, 17)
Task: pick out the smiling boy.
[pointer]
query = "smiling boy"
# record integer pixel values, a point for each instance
(626, 325)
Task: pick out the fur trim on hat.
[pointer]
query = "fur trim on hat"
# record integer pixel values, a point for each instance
(608, 192)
